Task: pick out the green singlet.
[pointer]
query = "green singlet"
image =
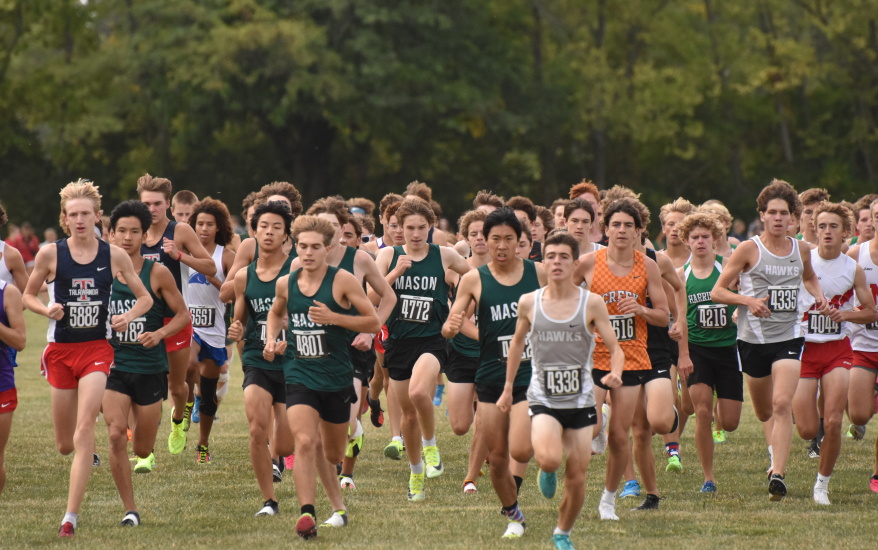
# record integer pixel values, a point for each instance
(259, 296)
(422, 297)
(129, 354)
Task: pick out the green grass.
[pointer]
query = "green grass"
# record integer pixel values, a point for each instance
(186, 505)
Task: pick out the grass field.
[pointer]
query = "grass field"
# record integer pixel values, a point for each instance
(186, 505)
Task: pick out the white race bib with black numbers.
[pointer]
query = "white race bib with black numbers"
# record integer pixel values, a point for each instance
(83, 315)
(415, 309)
(783, 298)
(133, 332)
(566, 380)
(504, 341)
(872, 326)
(202, 316)
(311, 344)
(821, 324)
(263, 333)
(711, 316)
(623, 326)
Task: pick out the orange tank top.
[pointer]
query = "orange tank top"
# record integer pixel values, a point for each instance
(630, 329)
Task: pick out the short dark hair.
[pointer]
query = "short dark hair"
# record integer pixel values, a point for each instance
(626, 206)
(578, 204)
(562, 237)
(280, 208)
(778, 189)
(525, 205)
(131, 209)
(502, 216)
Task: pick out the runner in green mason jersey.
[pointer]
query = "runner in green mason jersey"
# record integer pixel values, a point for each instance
(138, 380)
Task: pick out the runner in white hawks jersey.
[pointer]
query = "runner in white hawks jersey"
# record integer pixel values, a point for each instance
(771, 267)
(828, 356)
(561, 320)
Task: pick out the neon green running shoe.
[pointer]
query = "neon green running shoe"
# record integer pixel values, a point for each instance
(416, 487)
(433, 463)
(674, 464)
(719, 436)
(177, 437)
(145, 465)
(354, 447)
(187, 414)
(394, 450)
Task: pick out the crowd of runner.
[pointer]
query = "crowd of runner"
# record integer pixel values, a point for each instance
(554, 332)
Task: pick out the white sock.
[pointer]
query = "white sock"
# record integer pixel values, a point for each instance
(71, 517)
(608, 497)
(417, 468)
(429, 442)
(397, 438)
(358, 432)
(559, 531)
(822, 482)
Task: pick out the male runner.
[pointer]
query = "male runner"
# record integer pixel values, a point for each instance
(174, 245)
(560, 322)
(138, 380)
(12, 337)
(771, 267)
(79, 271)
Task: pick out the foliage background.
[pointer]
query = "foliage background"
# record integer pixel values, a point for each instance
(700, 98)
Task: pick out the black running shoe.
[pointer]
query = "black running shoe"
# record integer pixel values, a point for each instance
(650, 503)
(777, 489)
(814, 448)
(277, 470)
(376, 414)
(95, 460)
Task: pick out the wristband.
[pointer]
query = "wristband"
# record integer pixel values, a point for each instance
(179, 255)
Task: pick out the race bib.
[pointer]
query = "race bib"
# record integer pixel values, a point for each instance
(623, 326)
(416, 309)
(504, 341)
(311, 344)
(872, 326)
(821, 324)
(83, 315)
(566, 380)
(783, 298)
(133, 332)
(711, 316)
(263, 333)
(203, 317)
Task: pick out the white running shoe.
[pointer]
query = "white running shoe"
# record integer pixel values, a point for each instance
(514, 530)
(608, 511)
(346, 482)
(339, 518)
(821, 496)
(469, 488)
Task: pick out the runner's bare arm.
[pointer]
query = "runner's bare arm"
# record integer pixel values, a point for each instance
(14, 335)
(516, 348)
(44, 270)
(190, 252)
(244, 257)
(600, 323)
(121, 264)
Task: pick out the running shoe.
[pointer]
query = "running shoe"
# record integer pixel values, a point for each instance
(777, 489)
(339, 518)
(376, 414)
(814, 448)
(651, 502)
(95, 460)
(562, 542)
(66, 530)
(354, 447)
(630, 489)
(277, 473)
(187, 413)
(548, 483)
(708, 487)
(416, 487)
(394, 450)
(719, 436)
(177, 437)
(599, 443)
(306, 527)
(131, 519)
(857, 433)
(346, 481)
(289, 462)
(873, 484)
(432, 462)
(196, 410)
(130, 435)
(674, 464)
(437, 399)
(514, 529)
(269, 508)
(821, 496)
(608, 511)
(202, 455)
(145, 465)
(469, 487)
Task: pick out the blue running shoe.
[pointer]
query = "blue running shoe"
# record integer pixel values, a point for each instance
(548, 483)
(437, 399)
(630, 489)
(562, 542)
(708, 487)
(196, 410)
